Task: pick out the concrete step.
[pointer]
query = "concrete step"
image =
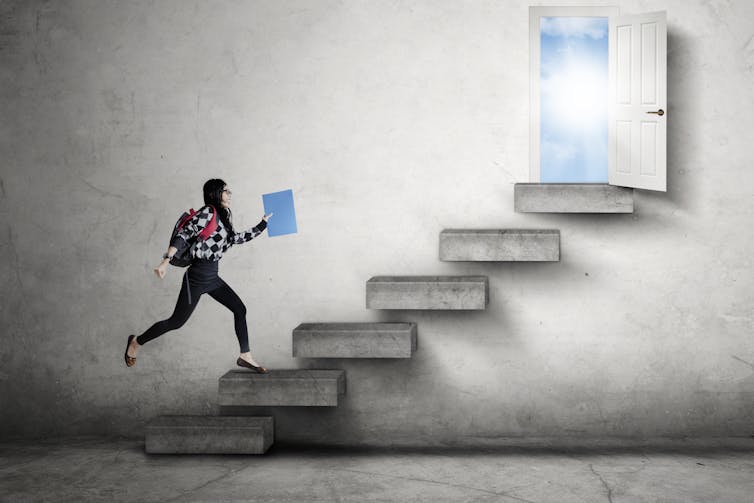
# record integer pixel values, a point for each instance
(500, 245)
(428, 292)
(572, 198)
(209, 435)
(354, 340)
(293, 387)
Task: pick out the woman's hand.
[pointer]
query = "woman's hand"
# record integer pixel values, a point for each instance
(267, 217)
(161, 269)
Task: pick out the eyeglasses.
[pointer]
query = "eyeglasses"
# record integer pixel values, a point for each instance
(230, 192)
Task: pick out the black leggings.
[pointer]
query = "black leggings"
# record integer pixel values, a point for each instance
(186, 304)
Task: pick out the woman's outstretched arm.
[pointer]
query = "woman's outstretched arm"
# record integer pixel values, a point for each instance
(242, 237)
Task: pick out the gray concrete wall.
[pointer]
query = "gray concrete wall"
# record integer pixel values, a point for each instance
(390, 121)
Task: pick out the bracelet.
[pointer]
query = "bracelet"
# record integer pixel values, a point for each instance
(166, 256)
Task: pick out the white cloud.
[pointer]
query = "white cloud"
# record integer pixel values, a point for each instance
(593, 27)
(556, 153)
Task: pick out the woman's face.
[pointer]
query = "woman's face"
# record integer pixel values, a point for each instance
(225, 197)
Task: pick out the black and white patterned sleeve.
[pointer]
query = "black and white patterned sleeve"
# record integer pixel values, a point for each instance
(194, 226)
(242, 237)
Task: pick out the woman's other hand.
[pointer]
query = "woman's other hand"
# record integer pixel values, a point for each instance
(161, 269)
(267, 217)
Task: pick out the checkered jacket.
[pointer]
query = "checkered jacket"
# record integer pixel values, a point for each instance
(218, 242)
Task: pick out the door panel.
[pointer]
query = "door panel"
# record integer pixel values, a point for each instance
(648, 163)
(623, 139)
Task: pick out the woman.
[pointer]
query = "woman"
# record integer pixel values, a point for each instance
(201, 276)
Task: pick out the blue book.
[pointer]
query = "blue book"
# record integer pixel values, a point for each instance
(283, 220)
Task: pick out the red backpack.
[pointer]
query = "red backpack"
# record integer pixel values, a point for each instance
(182, 258)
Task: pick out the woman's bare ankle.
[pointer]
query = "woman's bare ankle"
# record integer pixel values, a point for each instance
(247, 356)
(133, 347)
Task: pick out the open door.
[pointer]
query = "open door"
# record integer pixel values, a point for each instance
(638, 111)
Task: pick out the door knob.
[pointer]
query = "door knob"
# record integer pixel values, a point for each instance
(660, 112)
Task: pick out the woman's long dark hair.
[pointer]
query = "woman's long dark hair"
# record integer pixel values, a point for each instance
(213, 193)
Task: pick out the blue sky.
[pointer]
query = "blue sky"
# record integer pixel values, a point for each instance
(573, 100)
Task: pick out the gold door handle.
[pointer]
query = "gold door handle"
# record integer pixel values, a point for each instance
(660, 112)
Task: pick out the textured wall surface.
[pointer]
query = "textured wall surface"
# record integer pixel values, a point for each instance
(390, 121)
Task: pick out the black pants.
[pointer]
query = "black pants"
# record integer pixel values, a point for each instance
(202, 278)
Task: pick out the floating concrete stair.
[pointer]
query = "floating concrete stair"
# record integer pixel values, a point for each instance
(572, 198)
(209, 435)
(296, 387)
(500, 245)
(354, 340)
(428, 292)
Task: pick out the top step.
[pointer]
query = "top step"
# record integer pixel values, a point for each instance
(572, 198)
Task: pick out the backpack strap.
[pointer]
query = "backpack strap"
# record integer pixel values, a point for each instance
(211, 226)
(182, 222)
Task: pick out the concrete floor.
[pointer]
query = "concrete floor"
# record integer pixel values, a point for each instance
(85, 469)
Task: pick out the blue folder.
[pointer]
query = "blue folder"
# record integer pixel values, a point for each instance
(283, 220)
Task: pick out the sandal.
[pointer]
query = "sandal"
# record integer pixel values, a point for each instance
(130, 360)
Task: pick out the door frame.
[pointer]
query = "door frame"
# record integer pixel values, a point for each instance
(535, 14)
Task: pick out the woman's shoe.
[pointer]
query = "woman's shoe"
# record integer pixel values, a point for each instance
(243, 363)
(130, 360)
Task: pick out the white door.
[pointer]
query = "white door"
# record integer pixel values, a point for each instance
(638, 108)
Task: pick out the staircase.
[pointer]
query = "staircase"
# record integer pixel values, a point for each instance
(322, 388)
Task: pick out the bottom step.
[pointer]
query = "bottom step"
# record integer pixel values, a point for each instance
(209, 435)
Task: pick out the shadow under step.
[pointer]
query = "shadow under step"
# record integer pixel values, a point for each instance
(354, 340)
(289, 387)
(572, 198)
(428, 292)
(209, 435)
(500, 245)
